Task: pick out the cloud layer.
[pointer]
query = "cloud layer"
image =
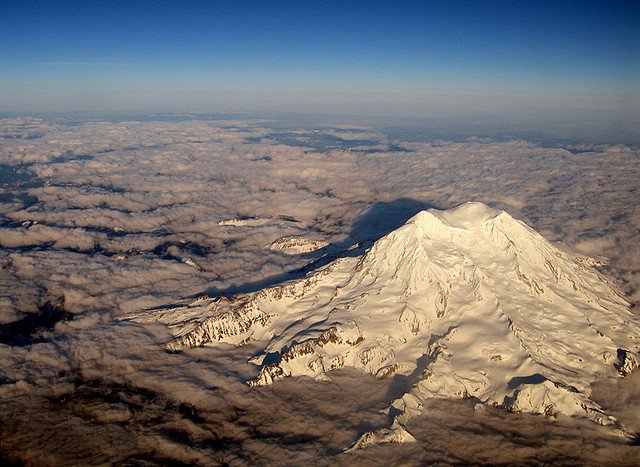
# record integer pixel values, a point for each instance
(122, 216)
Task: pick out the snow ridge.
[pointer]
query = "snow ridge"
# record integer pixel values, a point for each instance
(482, 303)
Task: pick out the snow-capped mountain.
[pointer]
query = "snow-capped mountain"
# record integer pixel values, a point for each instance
(466, 303)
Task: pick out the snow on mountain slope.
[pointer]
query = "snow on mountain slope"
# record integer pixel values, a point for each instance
(465, 303)
(296, 244)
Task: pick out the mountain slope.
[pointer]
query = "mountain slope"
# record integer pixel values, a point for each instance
(467, 303)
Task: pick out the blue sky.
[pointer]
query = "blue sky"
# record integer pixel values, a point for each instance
(400, 58)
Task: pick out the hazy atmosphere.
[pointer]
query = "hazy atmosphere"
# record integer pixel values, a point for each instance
(209, 210)
(552, 62)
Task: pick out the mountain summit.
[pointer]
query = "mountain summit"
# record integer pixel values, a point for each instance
(467, 302)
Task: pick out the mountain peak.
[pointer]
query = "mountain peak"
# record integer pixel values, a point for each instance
(463, 216)
(467, 302)
(462, 223)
